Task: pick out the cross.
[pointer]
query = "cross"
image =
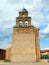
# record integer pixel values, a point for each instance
(23, 2)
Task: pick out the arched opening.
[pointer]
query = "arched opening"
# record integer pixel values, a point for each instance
(23, 15)
(20, 24)
(26, 23)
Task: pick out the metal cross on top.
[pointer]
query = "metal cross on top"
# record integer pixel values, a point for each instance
(23, 2)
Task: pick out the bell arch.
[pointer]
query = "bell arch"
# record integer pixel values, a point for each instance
(26, 23)
(20, 23)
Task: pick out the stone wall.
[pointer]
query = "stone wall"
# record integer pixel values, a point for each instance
(8, 54)
(23, 48)
(38, 56)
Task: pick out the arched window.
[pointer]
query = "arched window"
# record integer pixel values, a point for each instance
(20, 24)
(26, 23)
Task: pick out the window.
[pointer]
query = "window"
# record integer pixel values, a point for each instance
(20, 24)
(26, 23)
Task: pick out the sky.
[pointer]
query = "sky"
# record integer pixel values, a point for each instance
(37, 9)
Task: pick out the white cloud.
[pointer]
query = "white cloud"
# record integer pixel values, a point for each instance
(44, 48)
(36, 24)
(44, 34)
(5, 46)
(47, 17)
(5, 43)
(9, 10)
(46, 30)
(45, 4)
(38, 19)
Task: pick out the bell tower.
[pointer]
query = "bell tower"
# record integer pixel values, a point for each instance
(25, 40)
(23, 20)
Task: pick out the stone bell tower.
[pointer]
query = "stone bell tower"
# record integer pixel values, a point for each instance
(23, 20)
(25, 40)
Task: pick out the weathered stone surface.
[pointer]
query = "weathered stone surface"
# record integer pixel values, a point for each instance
(8, 54)
(25, 40)
(23, 48)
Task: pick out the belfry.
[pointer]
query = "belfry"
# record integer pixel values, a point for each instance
(25, 40)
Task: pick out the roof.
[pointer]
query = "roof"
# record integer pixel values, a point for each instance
(23, 10)
(43, 51)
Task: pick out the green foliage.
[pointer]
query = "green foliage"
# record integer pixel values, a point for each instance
(44, 57)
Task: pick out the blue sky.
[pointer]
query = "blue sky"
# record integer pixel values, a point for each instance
(38, 10)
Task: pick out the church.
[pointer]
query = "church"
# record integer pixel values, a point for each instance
(25, 40)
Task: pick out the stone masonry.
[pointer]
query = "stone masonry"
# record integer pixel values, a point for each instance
(25, 40)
